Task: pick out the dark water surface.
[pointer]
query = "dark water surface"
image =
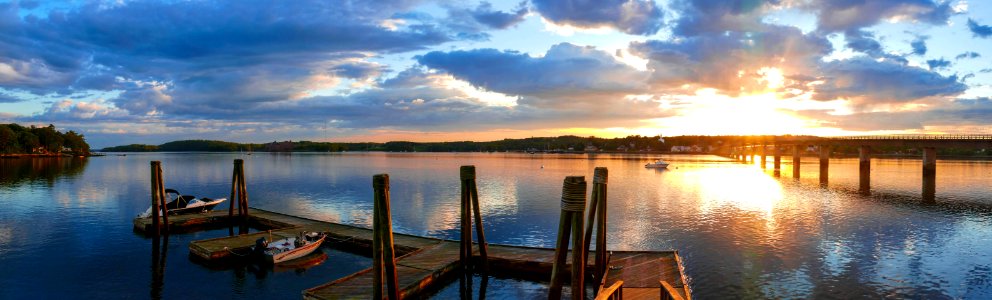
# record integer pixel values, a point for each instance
(65, 224)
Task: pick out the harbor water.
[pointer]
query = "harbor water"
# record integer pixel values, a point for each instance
(742, 231)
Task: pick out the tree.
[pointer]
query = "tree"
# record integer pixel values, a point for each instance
(77, 142)
(28, 141)
(8, 140)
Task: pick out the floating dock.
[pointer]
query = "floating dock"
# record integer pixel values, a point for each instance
(423, 264)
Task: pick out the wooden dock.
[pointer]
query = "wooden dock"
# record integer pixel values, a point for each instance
(423, 264)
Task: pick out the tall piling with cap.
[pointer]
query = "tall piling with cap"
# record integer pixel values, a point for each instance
(160, 214)
(383, 251)
(573, 204)
(597, 218)
(239, 191)
(470, 207)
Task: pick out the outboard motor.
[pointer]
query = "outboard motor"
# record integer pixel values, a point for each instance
(260, 245)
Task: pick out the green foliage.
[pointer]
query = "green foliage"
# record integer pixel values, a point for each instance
(17, 139)
(132, 148)
(200, 145)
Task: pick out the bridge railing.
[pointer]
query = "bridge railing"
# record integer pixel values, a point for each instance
(916, 137)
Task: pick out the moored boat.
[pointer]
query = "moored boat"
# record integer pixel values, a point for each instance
(660, 164)
(185, 204)
(289, 248)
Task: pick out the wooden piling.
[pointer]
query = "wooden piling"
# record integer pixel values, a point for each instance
(470, 206)
(795, 160)
(764, 156)
(239, 191)
(573, 203)
(156, 228)
(864, 170)
(777, 161)
(162, 200)
(383, 251)
(824, 164)
(597, 218)
(929, 174)
(465, 254)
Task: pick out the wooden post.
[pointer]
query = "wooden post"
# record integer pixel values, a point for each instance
(864, 170)
(234, 191)
(573, 203)
(777, 162)
(244, 191)
(239, 191)
(383, 254)
(156, 229)
(162, 200)
(597, 216)
(796, 154)
(465, 254)
(929, 174)
(470, 199)
(824, 163)
(764, 156)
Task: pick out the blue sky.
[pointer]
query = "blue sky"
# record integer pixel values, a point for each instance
(256, 71)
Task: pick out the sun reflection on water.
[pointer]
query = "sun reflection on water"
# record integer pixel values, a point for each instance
(743, 188)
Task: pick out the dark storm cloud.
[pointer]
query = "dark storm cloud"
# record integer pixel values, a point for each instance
(565, 69)
(642, 17)
(497, 19)
(919, 45)
(979, 30)
(844, 15)
(89, 46)
(717, 60)
(868, 81)
(968, 54)
(937, 64)
(863, 41)
(717, 16)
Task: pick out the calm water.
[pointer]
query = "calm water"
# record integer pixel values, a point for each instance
(65, 224)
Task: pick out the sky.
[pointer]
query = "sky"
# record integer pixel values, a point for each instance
(123, 72)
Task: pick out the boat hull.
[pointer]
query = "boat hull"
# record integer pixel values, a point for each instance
(295, 253)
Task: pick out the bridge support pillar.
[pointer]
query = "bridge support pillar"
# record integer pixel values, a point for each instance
(929, 174)
(824, 163)
(795, 160)
(778, 160)
(764, 156)
(864, 170)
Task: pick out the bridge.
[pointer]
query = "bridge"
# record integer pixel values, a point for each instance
(775, 145)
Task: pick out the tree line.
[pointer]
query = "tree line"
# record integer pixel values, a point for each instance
(17, 139)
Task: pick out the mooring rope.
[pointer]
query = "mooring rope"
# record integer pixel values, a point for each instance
(573, 194)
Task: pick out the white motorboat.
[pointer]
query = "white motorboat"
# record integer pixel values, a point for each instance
(659, 164)
(185, 204)
(288, 248)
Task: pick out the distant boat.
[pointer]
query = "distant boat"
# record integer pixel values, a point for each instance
(659, 164)
(289, 248)
(185, 204)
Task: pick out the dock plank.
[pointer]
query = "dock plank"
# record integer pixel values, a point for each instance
(423, 263)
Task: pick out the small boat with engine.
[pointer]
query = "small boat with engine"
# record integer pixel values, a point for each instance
(185, 204)
(659, 164)
(289, 248)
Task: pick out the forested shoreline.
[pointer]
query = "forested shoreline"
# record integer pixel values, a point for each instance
(17, 140)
